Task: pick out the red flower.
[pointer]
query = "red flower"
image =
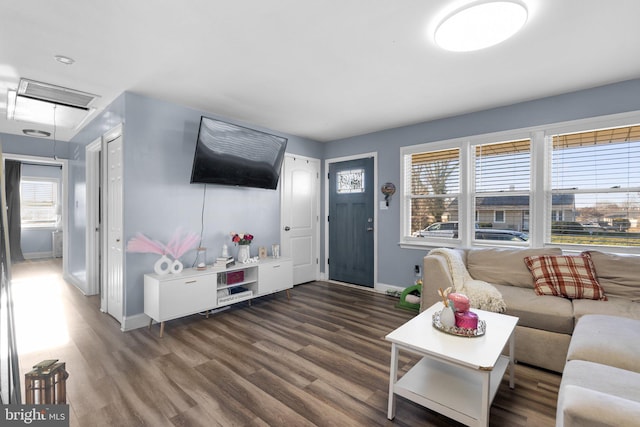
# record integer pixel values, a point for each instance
(241, 238)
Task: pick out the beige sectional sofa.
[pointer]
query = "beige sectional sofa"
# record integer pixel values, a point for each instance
(601, 380)
(546, 324)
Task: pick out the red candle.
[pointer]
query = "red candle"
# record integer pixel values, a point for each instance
(467, 320)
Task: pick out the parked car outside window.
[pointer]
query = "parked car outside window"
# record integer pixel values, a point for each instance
(510, 235)
(440, 229)
(450, 230)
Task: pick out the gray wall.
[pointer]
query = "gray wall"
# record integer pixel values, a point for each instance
(159, 143)
(30, 146)
(396, 264)
(112, 116)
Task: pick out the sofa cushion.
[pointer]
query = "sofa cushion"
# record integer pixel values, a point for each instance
(504, 266)
(540, 312)
(592, 394)
(614, 306)
(567, 276)
(619, 275)
(609, 340)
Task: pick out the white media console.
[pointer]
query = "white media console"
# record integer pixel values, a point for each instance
(171, 296)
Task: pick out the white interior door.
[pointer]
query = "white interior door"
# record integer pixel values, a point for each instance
(93, 248)
(115, 245)
(300, 216)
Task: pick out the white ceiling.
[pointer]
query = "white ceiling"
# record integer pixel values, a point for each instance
(322, 69)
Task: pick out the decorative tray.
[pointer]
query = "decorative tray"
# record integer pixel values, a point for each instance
(461, 332)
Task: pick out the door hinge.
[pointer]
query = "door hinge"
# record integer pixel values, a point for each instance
(327, 218)
(327, 175)
(328, 261)
(317, 261)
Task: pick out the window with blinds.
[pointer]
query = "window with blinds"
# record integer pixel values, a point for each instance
(433, 188)
(502, 185)
(38, 202)
(596, 177)
(568, 186)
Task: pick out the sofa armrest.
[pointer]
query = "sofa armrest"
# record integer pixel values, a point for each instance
(435, 275)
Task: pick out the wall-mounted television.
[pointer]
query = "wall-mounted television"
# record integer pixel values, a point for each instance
(229, 154)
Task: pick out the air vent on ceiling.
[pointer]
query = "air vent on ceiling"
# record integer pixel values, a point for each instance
(55, 94)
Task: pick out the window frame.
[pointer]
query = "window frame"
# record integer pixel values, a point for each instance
(540, 188)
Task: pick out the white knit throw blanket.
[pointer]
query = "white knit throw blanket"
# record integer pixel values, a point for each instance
(481, 294)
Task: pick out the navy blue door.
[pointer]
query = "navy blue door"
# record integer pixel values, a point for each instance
(351, 221)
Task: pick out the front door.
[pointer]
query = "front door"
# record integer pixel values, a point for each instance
(351, 198)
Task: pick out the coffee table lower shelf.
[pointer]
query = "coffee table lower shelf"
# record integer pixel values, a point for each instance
(451, 390)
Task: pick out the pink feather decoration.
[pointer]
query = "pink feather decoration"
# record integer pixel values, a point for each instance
(143, 244)
(179, 245)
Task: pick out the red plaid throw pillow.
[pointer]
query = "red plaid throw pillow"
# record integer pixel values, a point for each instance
(568, 276)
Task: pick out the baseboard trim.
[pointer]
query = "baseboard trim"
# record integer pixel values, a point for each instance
(37, 255)
(129, 323)
(69, 278)
(383, 288)
(380, 288)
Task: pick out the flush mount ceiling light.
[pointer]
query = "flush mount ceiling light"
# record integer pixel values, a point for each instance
(480, 24)
(36, 133)
(64, 59)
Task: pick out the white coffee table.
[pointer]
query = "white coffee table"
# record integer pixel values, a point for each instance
(457, 376)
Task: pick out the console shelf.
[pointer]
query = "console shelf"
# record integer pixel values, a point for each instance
(171, 296)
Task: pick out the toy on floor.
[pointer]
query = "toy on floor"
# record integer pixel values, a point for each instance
(410, 297)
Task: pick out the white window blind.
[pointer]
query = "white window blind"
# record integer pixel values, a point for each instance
(502, 184)
(598, 175)
(434, 187)
(569, 186)
(38, 202)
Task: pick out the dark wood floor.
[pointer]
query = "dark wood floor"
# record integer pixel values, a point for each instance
(317, 359)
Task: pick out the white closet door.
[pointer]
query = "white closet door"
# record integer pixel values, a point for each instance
(115, 256)
(300, 216)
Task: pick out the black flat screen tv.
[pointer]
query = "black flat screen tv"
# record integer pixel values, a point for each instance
(229, 154)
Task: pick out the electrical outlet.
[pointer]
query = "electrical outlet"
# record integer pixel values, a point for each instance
(416, 269)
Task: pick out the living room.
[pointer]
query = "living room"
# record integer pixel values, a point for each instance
(160, 135)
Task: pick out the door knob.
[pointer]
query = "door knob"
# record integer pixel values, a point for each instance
(287, 228)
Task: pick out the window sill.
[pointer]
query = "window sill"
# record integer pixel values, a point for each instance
(40, 227)
(430, 244)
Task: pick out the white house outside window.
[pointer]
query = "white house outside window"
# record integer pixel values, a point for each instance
(38, 202)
